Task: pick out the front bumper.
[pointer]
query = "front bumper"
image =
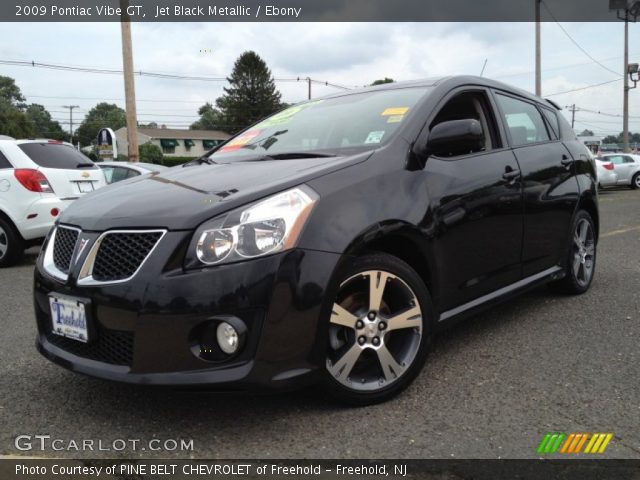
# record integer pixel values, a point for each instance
(144, 328)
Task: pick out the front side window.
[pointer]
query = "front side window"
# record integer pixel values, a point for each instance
(523, 120)
(358, 121)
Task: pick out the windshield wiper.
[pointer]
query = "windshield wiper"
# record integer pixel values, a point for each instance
(295, 155)
(200, 161)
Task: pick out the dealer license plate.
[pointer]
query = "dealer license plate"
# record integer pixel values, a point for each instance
(69, 317)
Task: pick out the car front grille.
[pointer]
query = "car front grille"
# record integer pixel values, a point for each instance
(63, 247)
(121, 254)
(114, 347)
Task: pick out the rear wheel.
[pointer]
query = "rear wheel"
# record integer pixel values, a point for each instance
(635, 181)
(11, 245)
(581, 263)
(379, 330)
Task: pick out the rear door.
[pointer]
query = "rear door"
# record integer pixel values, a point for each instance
(69, 172)
(550, 188)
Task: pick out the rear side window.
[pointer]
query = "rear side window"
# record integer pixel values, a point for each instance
(552, 118)
(523, 120)
(54, 155)
(4, 163)
(615, 159)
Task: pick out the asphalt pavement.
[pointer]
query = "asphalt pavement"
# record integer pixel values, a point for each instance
(492, 387)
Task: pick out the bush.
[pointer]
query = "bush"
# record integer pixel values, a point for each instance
(150, 153)
(173, 161)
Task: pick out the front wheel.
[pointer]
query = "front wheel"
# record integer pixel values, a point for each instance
(379, 330)
(581, 262)
(635, 181)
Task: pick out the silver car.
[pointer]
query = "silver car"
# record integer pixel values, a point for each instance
(607, 176)
(627, 167)
(117, 171)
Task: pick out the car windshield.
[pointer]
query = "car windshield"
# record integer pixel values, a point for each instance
(359, 121)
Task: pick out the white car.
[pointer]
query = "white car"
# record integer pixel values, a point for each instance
(627, 167)
(118, 171)
(607, 176)
(38, 179)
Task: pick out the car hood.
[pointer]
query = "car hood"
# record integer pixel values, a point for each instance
(183, 197)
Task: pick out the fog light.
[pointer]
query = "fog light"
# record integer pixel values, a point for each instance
(228, 339)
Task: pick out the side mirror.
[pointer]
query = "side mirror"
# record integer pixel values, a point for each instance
(455, 137)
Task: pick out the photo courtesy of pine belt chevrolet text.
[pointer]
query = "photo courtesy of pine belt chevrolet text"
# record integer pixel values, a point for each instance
(326, 244)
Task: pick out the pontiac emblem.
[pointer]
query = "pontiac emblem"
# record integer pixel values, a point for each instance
(81, 246)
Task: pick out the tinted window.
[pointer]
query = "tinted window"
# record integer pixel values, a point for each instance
(552, 118)
(55, 155)
(4, 163)
(628, 160)
(523, 120)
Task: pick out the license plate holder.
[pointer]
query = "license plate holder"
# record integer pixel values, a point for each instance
(85, 187)
(70, 317)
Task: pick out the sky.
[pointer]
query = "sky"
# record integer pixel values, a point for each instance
(347, 54)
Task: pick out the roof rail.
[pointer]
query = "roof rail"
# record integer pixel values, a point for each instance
(554, 104)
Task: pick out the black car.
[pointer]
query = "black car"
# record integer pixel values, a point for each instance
(327, 243)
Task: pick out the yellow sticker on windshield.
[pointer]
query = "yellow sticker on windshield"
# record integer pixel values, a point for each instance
(286, 115)
(395, 111)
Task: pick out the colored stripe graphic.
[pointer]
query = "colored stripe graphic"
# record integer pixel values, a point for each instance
(573, 443)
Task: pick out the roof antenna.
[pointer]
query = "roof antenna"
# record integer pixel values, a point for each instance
(484, 66)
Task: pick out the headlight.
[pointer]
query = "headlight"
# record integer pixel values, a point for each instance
(265, 227)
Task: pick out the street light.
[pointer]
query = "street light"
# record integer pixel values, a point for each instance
(634, 74)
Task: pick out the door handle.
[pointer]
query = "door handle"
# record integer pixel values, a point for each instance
(510, 173)
(566, 161)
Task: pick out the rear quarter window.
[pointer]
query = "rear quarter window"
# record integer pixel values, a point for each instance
(52, 155)
(4, 163)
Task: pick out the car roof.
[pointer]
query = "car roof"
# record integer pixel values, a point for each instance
(452, 82)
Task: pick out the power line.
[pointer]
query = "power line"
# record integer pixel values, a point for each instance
(583, 88)
(576, 43)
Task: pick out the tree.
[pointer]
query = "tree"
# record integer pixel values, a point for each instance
(148, 125)
(210, 118)
(383, 81)
(13, 122)
(252, 94)
(586, 133)
(150, 153)
(11, 93)
(43, 125)
(103, 115)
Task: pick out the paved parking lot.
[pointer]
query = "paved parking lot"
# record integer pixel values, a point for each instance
(492, 386)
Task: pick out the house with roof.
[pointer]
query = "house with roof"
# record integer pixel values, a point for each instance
(174, 142)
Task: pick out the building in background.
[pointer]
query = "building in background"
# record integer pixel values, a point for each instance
(175, 142)
(593, 143)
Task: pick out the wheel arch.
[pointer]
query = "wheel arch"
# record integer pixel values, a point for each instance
(401, 240)
(589, 204)
(4, 216)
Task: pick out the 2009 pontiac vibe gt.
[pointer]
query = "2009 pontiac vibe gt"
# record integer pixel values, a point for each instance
(327, 243)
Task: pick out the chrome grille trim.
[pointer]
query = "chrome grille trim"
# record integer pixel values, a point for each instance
(86, 272)
(48, 261)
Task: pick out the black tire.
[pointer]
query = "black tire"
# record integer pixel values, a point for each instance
(573, 283)
(417, 335)
(11, 244)
(635, 181)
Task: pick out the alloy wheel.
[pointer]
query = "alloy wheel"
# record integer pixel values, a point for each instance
(583, 252)
(375, 331)
(4, 243)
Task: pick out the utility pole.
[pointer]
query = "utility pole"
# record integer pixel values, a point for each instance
(625, 102)
(309, 83)
(129, 85)
(538, 51)
(71, 107)
(573, 115)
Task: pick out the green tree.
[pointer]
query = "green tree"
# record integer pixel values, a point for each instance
(103, 115)
(11, 93)
(610, 139)
(13, 122)
(210, 118)
(252, 94)
(43, 125)
(383, 81)
(150, 153)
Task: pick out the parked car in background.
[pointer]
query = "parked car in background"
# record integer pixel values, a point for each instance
(626, 167)
(38, 180)
(327, 243)
(118, 171)
(607, 176)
